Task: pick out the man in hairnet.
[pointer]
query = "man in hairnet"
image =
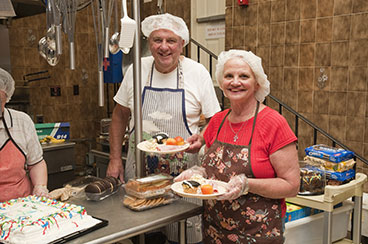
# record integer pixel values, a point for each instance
(176, 91)
(20, 150)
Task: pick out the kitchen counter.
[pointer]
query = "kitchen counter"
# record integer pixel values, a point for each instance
(125, 223)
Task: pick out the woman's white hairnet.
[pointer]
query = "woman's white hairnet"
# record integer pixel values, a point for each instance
(168, 22)
(7, 84)
(255, 64)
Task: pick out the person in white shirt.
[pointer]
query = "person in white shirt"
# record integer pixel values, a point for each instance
(20, 150)
(176, 91)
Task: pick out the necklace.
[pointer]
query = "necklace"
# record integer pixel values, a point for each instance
(236, 134)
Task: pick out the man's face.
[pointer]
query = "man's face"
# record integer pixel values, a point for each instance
(2, 100)
(165, 47)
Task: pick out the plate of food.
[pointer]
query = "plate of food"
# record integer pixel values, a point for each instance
(162, 144)
(206, 189)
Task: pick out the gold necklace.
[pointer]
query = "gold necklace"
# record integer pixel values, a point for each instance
(236, 134)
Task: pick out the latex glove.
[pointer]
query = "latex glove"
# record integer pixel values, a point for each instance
(40, 190)
(237, 186)
(66, 192)
(187, 174)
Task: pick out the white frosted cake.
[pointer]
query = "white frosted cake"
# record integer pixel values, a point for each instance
(40, 220)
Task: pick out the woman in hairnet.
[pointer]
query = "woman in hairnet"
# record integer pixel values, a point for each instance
(252, 148)
(20, 150)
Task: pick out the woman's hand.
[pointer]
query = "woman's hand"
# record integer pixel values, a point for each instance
(187, 174)
(196, 141)
(40, 190)
(237, 186)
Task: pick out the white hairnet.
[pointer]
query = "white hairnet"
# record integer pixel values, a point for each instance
(255, 64)
(168, 22)
(7, 84)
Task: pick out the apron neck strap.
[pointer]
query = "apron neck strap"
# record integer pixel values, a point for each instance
(222, 122)
(5, 125)
(179, 76)
(254, 123)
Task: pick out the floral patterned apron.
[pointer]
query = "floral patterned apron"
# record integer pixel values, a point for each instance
(14, 181)
(248, 219)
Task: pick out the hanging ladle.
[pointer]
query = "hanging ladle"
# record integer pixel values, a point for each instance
(114, 40)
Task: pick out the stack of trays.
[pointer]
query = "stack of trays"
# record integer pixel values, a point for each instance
(148, 192)
(336, 163)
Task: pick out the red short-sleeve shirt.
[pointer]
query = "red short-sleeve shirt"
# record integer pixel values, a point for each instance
(271, 133)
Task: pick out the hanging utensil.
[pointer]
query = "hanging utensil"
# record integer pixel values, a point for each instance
(47, 44)
(57, 22)
(107, 18)
(127, 32)
(71, 11)
(97, 15)
(159, 7)
(114, 40)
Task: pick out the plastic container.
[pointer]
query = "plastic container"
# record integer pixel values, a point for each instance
(140, 204)
(100, 196)
(312, 179)
(310, 229)
(104, 126)
(149, 187)
(101, 189)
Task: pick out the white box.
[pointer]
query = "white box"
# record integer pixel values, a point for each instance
(309, 230)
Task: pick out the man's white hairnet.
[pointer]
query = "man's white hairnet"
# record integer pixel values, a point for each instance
(168, 22)
(7, 84)
(255, 64)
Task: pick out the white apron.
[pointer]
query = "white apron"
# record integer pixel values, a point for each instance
(170, 104)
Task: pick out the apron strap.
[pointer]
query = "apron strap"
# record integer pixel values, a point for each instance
(9, 135)
(254, 125)
(179, 76)
(5, 125)
(218, 131)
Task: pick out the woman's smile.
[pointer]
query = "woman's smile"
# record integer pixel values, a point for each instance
(239, 81)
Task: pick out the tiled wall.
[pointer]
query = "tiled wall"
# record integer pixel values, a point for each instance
(315, 54)
(82, 111)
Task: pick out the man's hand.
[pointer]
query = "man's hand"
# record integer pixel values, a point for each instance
(196, 141)
(116, 169)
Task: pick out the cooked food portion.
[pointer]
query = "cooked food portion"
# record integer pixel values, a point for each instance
(149, 183)
(206, 189)
(190, 186)
(160, 138)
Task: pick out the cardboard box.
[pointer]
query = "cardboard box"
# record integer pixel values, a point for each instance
(294, 212)
(56, 130)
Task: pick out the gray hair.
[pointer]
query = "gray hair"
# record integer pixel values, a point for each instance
(255, 64)
(7, 84)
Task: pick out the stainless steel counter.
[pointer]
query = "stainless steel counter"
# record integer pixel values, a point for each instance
(125, 223)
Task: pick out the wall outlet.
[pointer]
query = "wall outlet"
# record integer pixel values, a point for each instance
(39, 118)
(75, 90)
(55, 91)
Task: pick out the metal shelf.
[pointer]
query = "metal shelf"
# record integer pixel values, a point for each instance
(334, 195)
